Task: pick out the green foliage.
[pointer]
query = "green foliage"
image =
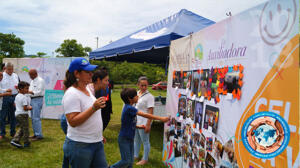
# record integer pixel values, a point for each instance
(40, 54)
(70, 48)
(11, 46)
(124, 72)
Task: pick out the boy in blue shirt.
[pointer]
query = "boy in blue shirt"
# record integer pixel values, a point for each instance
(128, 125)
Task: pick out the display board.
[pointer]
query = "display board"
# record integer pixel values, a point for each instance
(52, 70)
(233, 92)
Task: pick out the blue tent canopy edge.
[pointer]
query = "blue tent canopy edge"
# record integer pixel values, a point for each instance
(151, 44)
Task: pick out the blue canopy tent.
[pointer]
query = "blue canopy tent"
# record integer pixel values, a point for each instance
(151, 44)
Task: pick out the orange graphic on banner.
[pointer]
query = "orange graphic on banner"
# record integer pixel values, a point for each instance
(279, 95)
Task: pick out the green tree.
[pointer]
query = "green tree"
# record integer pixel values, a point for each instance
(128, 73)
(70, 48)
(40, 54)
(11, 46)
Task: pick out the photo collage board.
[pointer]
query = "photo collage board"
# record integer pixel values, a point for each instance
(193, 131)
(233, 92)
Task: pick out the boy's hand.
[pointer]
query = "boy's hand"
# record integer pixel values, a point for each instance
(29, 107)
(140, 126)
(147, 128)
(104, 140)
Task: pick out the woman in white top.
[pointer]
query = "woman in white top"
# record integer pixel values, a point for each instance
(146, 105)
(83, 146)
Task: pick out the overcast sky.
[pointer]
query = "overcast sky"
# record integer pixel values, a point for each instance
(44, 24)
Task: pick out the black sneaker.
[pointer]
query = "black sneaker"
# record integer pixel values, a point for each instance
(16, 144)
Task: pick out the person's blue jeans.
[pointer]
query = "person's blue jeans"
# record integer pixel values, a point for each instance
(126, 151)
(37, 105)
(64, 127)
(139, 138)
(8, 109)
(64, 124)
(80, 154)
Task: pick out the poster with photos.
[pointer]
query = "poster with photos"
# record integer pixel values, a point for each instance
(223, 105)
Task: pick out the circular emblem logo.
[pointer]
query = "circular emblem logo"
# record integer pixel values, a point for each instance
(199, 52)
(265, 134)
(25, 69)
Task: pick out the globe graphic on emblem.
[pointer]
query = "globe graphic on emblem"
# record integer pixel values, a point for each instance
(265, 135)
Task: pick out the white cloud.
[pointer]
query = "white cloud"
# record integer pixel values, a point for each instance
(45, 24)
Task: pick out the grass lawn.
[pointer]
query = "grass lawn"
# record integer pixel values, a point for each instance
(48, 153)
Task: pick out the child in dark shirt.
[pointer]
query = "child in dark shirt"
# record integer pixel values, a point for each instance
(128, 126)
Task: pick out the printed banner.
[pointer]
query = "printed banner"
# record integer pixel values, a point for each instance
(52, 70)
(233, 92)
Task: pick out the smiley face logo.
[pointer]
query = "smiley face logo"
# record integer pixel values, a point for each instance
(277, 20)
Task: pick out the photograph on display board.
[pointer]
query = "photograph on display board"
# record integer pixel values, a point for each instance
(187, 129)
(213, 85)
(191, 142)
(197, 163)
(177, 147)
(191, 162)
(198, 114)
(228, 154)
(231, 81)
(177, 79)
(170, 132)
(179, 131)
(202, 140)
(195, 153)
(210, 162)
(201, 154)
(211, 118)
(218, 149)
(182, 106)
(190, 108)
(185, 152)
(204, 82)
(187, 79)
(209, 144)
(195, 82)
(172, 127)
(197, 139)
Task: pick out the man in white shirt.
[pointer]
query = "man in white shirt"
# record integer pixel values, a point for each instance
(36, 91)
(10, 81)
